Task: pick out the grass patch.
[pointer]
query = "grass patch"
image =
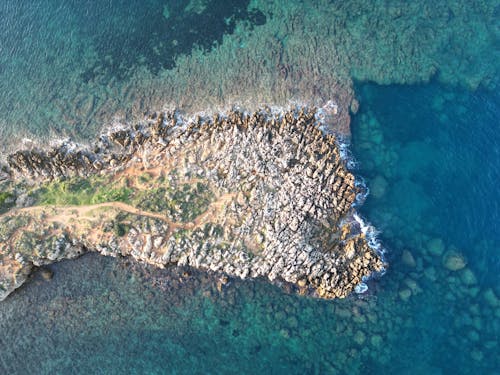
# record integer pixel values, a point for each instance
(6, 200)
(214, 230)
(183, 204)
(120, 229)
(180, 234)
(5, 196)
(80, 191)
(145, 178)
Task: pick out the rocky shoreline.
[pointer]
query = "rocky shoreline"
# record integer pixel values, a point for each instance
(264, 194)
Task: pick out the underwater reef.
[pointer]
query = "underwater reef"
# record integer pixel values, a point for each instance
(263, 194)
(304, 53)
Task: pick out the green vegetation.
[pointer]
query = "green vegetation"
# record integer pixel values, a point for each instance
(4, 196)
(180, 234)
(81, 191)
(215, 230)
(182, 204)
(145, 178)
(120, 229)
(192, 201)
(154, 200)
(6, 200)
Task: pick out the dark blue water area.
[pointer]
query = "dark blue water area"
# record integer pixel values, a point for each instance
(124, 34)
(435, 154)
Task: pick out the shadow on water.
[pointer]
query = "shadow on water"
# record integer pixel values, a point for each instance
(432, 158)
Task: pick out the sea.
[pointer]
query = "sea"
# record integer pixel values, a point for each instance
(425, 141)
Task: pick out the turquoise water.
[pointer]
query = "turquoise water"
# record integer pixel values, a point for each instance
(69, 67)
(430, 154)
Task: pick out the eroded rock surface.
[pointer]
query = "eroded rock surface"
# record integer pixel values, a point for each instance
(248, 195)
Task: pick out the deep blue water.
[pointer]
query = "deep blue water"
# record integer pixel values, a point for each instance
(430, 154)
(443, 178)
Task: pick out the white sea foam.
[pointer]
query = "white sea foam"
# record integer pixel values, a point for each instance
(369, 231)
(361, 288)
(364, 191)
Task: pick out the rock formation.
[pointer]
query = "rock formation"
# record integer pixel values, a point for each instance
(249, 195)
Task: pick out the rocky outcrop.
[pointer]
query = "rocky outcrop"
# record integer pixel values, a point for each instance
(249, 195)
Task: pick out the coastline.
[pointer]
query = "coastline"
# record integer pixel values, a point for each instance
(188, 192)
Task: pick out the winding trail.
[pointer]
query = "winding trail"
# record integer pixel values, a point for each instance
(68, 214)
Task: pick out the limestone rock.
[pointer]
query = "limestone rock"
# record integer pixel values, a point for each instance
(250, 195)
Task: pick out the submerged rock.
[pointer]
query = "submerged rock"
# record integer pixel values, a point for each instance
(359, 338)
(405, 294)
(247, 195)
(408, 259)
(378, 187)
(436, 247)
(468, 278)
(46, 273)
(454, 261)
(491, 298)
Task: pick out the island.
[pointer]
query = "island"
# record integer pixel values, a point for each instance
(263, 194)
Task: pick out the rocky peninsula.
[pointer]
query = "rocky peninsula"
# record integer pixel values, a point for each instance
(263, 194)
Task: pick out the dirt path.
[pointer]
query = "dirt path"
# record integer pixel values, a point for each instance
(72, 214)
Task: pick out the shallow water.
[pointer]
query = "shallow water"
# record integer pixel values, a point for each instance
(430, 154)
(69, 67)
(100, 313)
